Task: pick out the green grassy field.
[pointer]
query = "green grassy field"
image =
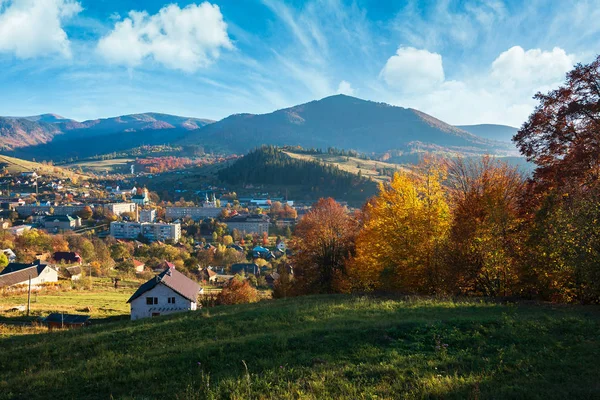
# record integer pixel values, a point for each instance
(115, 165)
(319, 347)
(101, 301)
(367, 168)
(17, 165)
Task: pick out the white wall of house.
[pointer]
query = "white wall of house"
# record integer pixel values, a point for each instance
(48, 275)
(140, 309)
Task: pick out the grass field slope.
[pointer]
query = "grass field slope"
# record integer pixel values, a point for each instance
(320, 347)
(16, 166)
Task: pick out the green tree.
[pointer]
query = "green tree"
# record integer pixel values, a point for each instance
(3, 260)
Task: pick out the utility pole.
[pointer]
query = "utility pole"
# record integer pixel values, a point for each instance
(29, 296)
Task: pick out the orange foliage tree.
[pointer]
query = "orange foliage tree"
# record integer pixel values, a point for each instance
(237, 291)
(323, 242)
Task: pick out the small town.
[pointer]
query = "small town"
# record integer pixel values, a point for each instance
(64, 235)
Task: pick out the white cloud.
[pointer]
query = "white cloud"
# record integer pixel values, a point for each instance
(30, 28)
(517, 68)
(186, 39)
(413, 70)
(502, 94)
(345, 88)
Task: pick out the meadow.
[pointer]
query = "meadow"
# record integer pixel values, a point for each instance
(318, 347)
(100, 300)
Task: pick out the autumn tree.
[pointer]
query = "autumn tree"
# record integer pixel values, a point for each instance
(397, 248)
(561, 135)
(237, 291)
(3, 260)
(486, 233)
(85, 213)
(323, 242)
(561, 138)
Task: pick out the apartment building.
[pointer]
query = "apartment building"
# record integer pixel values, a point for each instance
(151, 231)
(258, 224)
(195, 213)
(120, 208)
(147, 215)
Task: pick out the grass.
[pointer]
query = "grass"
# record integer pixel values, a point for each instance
(318, 347)
(116, 165)
(354, 165)
(16, 165)
(102, 299)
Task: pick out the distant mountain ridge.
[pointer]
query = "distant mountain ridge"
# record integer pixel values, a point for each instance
(337, 121)
(51, 134)
(343, 122)
(503, 133)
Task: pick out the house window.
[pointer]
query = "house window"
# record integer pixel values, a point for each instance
(151, 300)
(171, 300)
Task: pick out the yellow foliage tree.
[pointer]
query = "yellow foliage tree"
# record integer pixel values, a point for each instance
(403, 228)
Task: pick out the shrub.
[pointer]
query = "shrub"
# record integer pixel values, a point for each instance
(237, 291)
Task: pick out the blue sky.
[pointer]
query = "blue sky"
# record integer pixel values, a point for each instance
(461, 61)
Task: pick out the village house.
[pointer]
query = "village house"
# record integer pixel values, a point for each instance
(19, 274)
(67, 257)
(245, 268)
(73, 273)
(167, 293)
(12, 257)
(19, 229)
(138, 266)
(57, 223)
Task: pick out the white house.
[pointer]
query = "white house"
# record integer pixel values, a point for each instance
(19, 274)
(167, 293)
(12, 257)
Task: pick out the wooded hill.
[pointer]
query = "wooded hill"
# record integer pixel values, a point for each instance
(269, 165)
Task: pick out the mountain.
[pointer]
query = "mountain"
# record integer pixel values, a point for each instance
(50, 136)
(344, 122)
(340, 121)
(503, 133)
(49, 118)
(21, 132)
(129, 123)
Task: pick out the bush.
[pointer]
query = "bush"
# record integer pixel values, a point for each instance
(237, 291)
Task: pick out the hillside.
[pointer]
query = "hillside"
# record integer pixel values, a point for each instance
(379, 171)
(303, 178)
(344, 122)
(16, 166)
(318, 347)
(20, 132)
(501, 133)
(49, 136)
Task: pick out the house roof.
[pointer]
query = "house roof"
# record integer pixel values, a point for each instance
(16, 273)
(66, 256)
(61, 218)
(210, 272)
(248, 268)
(76, 270)
(173, 279)
(66, 318)
(137, 263)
